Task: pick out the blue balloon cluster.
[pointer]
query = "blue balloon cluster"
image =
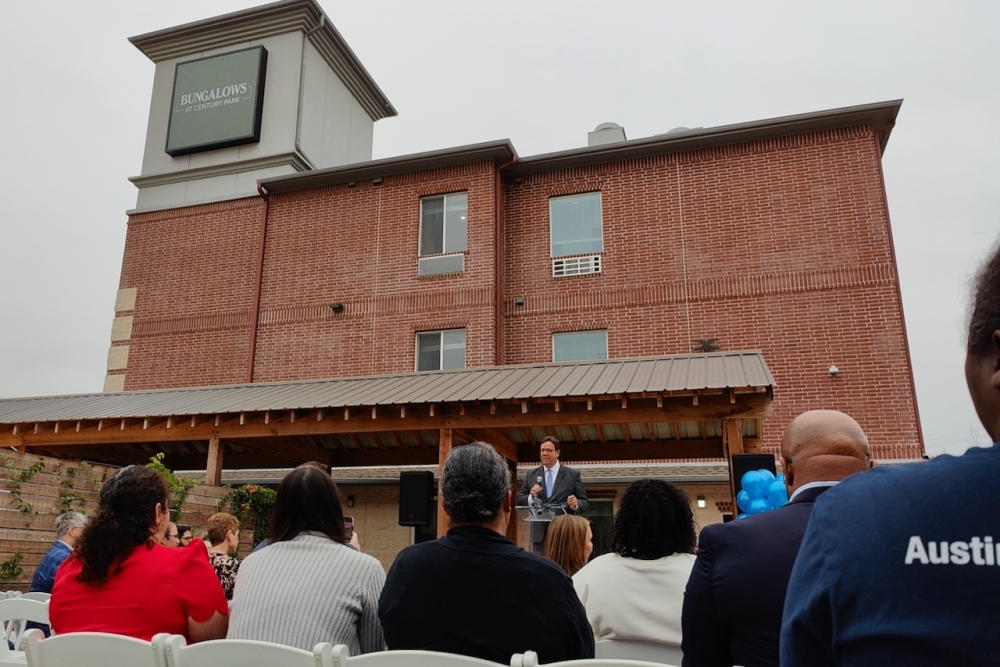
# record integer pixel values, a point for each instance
(762, 492)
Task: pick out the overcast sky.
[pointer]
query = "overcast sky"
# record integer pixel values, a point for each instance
(74, 101)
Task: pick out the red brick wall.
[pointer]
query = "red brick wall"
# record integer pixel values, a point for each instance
(779, 245)
(193, 270)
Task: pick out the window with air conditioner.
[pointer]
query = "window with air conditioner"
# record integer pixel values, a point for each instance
(443, 232)
(440, 350)
(575, 225)
(580, 345)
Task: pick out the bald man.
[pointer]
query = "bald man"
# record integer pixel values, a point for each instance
(734, 598)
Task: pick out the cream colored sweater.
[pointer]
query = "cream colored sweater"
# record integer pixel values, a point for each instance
(627, 598)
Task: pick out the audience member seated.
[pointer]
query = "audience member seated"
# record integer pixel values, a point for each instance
(171, 536)
(224, 534)
(121, 580)
(899, 566)
(734, 598)
(308, 586)
(636, 592)
(69, 527)
(473, 592)
(569, 542)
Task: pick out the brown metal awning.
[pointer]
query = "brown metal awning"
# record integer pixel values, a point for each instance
(676, 407)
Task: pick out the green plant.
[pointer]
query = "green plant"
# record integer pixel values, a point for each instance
(67, 495)
(16, 478)
(11, 568)
(179, 488)
(251, 501)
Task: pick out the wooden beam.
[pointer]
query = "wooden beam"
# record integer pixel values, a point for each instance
(600, 433)
(732, 443)
(476, 417)
(576, 433)
(213, 468)
(506, 447)
(625, 433)
(637, 450)
(444, 446)
(287, 449)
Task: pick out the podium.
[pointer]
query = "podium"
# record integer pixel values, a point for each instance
(539, 517)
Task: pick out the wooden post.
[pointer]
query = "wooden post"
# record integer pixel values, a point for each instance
(732, 443)
(514, 489)
(444, 446)
(213, 468)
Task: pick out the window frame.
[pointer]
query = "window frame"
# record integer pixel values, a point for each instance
(600, 208)
(583, 331)
(440, 332)
(444, 225)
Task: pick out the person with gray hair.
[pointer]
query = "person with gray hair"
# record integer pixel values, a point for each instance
(473, 592)
(69, 527)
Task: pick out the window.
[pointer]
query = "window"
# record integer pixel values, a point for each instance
(443, 224)
(440, 350)
(580, 346)
(575, 224)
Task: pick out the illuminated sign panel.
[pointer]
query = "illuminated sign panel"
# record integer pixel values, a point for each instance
(217, 102)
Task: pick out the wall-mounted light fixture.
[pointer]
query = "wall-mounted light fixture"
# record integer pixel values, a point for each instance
(337, 307)
(350, 501)
(519, 301)
(701, 502)
(377, 181)
(833, 371)
(352, 184)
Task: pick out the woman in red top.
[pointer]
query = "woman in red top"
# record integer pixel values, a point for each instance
(120, 579)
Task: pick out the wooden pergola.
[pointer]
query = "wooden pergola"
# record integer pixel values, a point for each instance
(706, 406)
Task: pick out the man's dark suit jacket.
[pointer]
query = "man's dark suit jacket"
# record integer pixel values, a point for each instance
(567, 483)
(734, 598)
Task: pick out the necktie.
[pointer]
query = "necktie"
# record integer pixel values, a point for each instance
(548, 483)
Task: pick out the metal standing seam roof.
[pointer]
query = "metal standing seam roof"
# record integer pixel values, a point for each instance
(682, 373)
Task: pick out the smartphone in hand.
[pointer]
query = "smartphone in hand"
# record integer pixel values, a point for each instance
(348, 527)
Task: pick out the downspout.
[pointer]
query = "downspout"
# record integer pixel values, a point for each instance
(498, 243)
(255, 310)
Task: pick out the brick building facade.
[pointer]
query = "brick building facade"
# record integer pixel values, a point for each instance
(773, 236)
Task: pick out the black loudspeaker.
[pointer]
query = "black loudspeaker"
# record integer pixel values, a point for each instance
(415, 492)
(744, 463)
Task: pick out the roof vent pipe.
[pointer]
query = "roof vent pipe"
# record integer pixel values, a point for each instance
(606, 133)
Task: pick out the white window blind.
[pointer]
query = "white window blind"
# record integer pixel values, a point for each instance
(575, 224)
(441, 350)
(580, 346)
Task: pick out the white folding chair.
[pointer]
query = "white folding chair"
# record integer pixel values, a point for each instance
(245, 653)
(408, 659)
(530, 659)
(90, 649)
(637, 649)
(36, 595)
(13, 614)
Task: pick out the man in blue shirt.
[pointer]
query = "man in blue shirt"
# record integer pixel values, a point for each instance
(900, 566)
(69, 527)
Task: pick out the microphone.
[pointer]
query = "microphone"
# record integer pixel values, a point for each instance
(538, 481)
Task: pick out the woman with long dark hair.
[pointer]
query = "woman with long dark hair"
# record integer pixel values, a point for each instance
(308, 586)
(636, 592)
(121, 580)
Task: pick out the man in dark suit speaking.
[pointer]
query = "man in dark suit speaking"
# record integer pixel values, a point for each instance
(552, 484)
(734, 598)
